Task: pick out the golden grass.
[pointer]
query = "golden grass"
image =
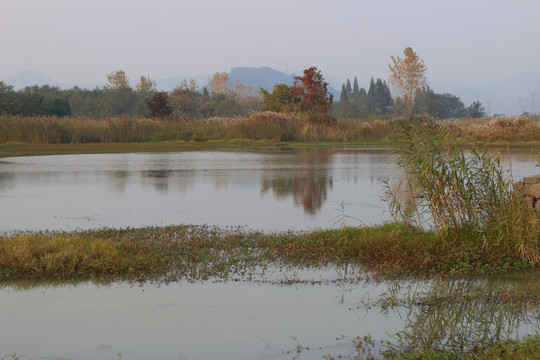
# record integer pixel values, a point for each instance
(267, 126)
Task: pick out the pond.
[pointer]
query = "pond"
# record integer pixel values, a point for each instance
(278, 190)
(289, 314)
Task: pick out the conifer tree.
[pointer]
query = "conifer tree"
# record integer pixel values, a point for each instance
(348, 89)
(371, 90)
(356, 90)
(343, 96)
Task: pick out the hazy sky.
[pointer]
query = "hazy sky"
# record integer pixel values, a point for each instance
(79, 41)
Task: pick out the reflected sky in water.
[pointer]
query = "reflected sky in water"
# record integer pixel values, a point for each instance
(252, 320)
(265, 190)
(277, 190)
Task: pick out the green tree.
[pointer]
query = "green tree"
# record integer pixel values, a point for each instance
(207, 107)
(119, 96)
(348, 90)
(475, 110)
(57, 107)
(356, 90)
(7, 98)
(371, 89)
(184, 102)
(145, 89)
(279, 100)
(228, 107)
(442, 106)
(119, 101)
(343, 98)
(408, 74)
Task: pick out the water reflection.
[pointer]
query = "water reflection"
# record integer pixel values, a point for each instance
(274, 190)
(457, 314)
(308, 182)
(323, 309)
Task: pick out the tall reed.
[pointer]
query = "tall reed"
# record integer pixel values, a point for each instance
(462, 194)
(258, 126)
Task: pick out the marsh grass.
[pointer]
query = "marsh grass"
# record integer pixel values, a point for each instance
(462, 197)
(72, 256)
(258, 126)
(195, 253)
(269, 126)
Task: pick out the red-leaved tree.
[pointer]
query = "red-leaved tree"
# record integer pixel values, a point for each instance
(311, 91)
(158, 105)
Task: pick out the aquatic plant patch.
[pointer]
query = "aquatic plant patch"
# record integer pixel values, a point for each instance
(204, 252)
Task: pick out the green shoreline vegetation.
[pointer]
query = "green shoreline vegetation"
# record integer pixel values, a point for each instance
(196, 253)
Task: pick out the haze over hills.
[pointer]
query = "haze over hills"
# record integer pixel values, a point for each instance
(510, 96)
(30, 78)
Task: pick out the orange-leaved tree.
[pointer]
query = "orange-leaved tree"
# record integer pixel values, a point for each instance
(408, 75)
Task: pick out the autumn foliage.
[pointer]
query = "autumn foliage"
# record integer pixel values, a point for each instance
(312, 92)
(158, 105)
(408, 74)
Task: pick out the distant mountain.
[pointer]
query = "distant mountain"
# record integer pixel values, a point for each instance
(263, 77)
(266, 78)
(510, 97)
(30, 78)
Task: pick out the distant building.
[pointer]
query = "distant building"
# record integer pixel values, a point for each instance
(496, 115)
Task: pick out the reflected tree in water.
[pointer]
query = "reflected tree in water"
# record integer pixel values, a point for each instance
(308, 183)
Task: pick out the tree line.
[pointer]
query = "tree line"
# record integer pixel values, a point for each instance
(224, 98)
(357, 102)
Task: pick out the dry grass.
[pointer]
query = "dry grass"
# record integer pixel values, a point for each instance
(258, 126)
(490, 130)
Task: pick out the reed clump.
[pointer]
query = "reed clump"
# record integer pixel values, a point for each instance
(462, 196)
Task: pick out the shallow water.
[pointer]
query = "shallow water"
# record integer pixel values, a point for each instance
(278, 190)
(302, 189)
(254, 320)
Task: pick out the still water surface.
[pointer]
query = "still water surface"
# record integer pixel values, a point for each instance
(280, 190)
(303, 189)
